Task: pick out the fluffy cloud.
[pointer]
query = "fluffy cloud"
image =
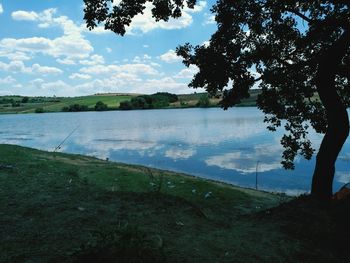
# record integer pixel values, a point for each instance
(19, 67)
(170, 57)
(178, 153)
(165, 84)
(79, 76)
(7, 80)
(136, 68)
(24, 16)
(145, 22)
(1, 9)
(187, 72)
(94, 60)
(36, 68)
(248, 162)
(15, 55)
(209, 19)
(72, 45)
(66, 61)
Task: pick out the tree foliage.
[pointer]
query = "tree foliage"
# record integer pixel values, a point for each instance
(154, 101)
(203, 101)
(100, 106)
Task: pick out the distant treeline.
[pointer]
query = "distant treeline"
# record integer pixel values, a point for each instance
(99, 106)
(154, 101)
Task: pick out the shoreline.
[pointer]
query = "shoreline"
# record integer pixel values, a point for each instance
(120, 110)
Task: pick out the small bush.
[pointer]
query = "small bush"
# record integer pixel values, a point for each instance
(75, 108)
(100, 106)
(203, 101)
(125, 105)
(39, 110)
(25, 100)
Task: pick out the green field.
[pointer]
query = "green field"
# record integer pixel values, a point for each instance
(57, 207)
(55, 104)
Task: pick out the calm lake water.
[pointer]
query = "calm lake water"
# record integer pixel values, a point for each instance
(228, 146)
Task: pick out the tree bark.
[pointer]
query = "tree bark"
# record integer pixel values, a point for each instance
(337, 119)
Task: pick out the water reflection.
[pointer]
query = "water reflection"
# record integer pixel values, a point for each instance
(211, 143)
(248, 160)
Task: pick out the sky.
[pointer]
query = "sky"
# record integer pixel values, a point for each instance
(46, 50)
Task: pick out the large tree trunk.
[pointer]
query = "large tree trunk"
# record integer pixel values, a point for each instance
(337, 119)
(335, 137)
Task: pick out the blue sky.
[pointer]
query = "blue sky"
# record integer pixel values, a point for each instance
(46, 50)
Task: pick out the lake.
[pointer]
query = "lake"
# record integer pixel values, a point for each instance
(230, 146)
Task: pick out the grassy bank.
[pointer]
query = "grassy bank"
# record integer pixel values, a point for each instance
(58, 207)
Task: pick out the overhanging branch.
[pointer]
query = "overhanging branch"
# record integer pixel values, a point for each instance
(302, 16)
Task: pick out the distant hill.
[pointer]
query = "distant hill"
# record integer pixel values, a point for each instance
(22, 104)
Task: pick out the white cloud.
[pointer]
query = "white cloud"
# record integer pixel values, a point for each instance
(248, 162)
(66, 61)
(109, 50)
(166, 84)
(177, 153)
(57, 87)
(136, 68)
(342, 177)
(99, 30)
(24, 16)
(19, 56)
(145, 22)
(36, 68)
(94, 60)
(71, 45)
(170, 57)
(209, 19)
(1, 9)
(7, 80)
(19, 67)
(187, 72)
(79, 76)
(197, 8)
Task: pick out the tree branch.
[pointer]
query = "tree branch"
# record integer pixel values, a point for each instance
(302, 16)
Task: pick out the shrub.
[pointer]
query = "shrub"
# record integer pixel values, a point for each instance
(39, 110)
(15, 104)
(125, 105)
(100, 106)
(203, 101)
(75, 108)
(25, 100)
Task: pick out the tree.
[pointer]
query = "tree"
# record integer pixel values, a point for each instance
(100, 106)
(203, 101)
(25, 100)
(125, 105)
(297, 52)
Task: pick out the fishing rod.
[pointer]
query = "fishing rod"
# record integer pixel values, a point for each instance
(59, 146)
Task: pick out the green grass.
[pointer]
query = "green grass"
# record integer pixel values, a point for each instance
(57, 207)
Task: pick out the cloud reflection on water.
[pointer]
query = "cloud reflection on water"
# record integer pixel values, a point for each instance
(262, 157)
(179, 153)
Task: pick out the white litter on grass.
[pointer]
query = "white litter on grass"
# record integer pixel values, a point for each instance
(207, 195)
